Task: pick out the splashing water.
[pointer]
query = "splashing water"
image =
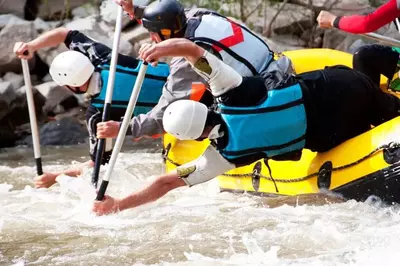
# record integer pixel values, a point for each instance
(189, 226)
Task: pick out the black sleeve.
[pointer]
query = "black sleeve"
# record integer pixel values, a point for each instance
(250, 92)
(97, 53)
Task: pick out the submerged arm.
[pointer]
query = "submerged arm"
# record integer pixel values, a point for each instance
(205, 168)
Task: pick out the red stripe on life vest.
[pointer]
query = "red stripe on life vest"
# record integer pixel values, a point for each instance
(236, 38)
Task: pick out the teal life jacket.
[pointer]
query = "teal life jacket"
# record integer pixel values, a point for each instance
(274, 127)
(125, 79)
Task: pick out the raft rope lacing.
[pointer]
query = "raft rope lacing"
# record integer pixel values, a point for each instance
(390, 145)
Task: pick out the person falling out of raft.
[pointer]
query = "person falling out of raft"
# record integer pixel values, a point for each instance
(272, 115)
(373, 60)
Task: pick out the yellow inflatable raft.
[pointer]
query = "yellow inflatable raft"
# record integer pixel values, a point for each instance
(366, 165)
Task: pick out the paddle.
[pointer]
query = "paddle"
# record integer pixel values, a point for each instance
(382, 39)
(32, 115)
(123, 129)
(109, 93)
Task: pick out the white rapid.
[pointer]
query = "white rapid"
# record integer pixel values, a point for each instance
(189, 226)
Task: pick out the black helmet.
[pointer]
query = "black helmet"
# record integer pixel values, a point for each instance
(164, 14)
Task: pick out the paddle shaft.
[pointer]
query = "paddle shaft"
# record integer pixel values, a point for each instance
(122, 132)
(109, 93)
(32, 116)
(383, 39)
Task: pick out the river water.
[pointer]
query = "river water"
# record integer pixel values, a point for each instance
(189, 226)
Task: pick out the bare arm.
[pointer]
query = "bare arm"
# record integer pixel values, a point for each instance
(203, 169)
(172, 47)
(158, 188)
(46, 180)
(154, 191)
(48, 39)
(219, 75)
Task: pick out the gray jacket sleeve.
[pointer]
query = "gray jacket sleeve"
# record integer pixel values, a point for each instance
(177, 87)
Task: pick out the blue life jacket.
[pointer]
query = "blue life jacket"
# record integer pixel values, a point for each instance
(275, 127)
(125, 79)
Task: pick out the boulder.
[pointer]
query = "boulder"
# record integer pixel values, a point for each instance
(14, 7)
(56, 9)
(54, 95)
(19, 112)
(13, 29)
(85, 11)
(7, 135)
(17, 81)
(7, 96)
(108, 13)
(99, 31)
(66, 131)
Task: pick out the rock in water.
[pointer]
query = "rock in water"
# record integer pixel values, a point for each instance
(17, 81)
(66, 131)
(7, 96)
(13, 29)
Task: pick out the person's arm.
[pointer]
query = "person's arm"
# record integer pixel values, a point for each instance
(383, 15)
(48, 39)
(219, 75)
(98, 53)
(46, 180)
(178, 86)
(203, 169)
(134, 11)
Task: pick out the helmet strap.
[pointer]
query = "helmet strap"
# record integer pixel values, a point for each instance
(161, 36)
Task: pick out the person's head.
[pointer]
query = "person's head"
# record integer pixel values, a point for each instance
(189, 120)
(73, 70)
(164, 19)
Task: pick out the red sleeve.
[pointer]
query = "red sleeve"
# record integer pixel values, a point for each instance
(368, 23)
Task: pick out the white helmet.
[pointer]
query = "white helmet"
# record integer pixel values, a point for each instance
(71, 68)
(185, 119)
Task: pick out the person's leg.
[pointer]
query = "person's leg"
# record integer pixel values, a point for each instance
(374, 60)
(342, 101)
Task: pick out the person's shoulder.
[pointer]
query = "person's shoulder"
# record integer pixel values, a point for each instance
(75, 36)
